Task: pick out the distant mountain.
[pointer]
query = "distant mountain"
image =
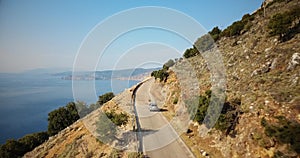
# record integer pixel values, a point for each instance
(132, 74)
(46, 71)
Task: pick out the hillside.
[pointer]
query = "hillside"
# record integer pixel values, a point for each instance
(262, 96)
(262, 72)
(81, 139)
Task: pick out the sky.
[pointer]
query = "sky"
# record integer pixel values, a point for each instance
(44, 34)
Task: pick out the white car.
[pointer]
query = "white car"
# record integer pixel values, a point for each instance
(153, 107)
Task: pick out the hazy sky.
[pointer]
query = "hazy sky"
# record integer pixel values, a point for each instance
(48, 33)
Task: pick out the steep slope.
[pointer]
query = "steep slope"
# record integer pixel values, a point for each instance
(263, 73)
(81, 140)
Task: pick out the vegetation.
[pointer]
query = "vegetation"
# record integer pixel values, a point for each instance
(62, 118)
(284, 131)
(228, 117)
(107, 129)
(163, 74)
(105, 98)
(17, 148)
(118, 119)
(135, 155)
(175, 101)
(84, 109)
(215, 33)
(115, 154)
(236, 28)
(285, 25)
(191, 52)
(57, 120)
(203, 43)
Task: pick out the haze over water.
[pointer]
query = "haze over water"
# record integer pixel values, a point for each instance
(26, 100)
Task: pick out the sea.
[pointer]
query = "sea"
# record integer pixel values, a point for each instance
(26, 99)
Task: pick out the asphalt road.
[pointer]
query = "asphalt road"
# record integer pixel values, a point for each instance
(159, 139)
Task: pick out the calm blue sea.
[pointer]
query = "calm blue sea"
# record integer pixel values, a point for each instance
(26, 100)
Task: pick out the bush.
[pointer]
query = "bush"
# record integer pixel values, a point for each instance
(215, 33)
(135, 155)
(84, 109)
(107, 129)
(118, 119)
(17, 148)
(284, 131)
(227, 117)
(175, 101)
(282, 24)
(191, 52)
(62, 118)
(236, 28)
(115, 154)
(33, 140)
(105, 98)
(161, 74)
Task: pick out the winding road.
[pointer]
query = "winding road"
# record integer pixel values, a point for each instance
(155, 134)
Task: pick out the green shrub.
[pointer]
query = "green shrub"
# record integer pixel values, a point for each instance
(215, 33)
(135, 155)
(226, 118)
(115, 154)
(175, 101)
(161, 74)
(284, 24)
(191, 52)
(117, 119)
(33, 140)
(62, 118)
(105, 98)
(236, 28)
(284, 131)
(17, 148)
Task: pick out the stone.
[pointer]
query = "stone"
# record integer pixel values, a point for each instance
(256, 72)
(295, 60)
(267, 50)
(274, 64)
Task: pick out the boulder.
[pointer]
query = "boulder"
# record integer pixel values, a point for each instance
(295, 60)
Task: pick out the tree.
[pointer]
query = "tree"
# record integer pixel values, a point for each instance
(31, 141)
(215, 33)
(105, 98)
(286, 24)
(191, 52)
(12, 148)
(279, 24)
(62, 118)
